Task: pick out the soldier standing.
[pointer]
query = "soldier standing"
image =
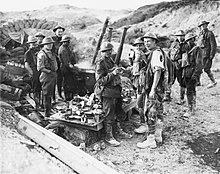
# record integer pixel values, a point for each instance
(58, 30)
(139, 59)
(177, 48)
(154, 90)
(108, 79)
(31, 66)
(67, 68)
(47, 65)
(192, 69)
(40, 36)
(208, 44)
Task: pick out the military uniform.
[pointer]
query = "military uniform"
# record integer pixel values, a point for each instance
(154, 106)
(177, 61)
(55, 50)
(69, 83)
(31, 59)
(209, 46)
(46, 59)
(191, 73)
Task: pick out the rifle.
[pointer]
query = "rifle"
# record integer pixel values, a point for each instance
(100, 39)
(120, 48)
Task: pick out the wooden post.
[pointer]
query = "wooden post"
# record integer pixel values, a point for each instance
(109, 37)
(120, 48)
(100, 39)
(71, 155)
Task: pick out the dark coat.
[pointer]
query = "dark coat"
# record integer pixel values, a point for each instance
(195, 62)
(105, 77)
(208, 44)
(66, 57)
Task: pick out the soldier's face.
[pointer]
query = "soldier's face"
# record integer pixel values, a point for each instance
(59, 32)
(140, 46)
(150, 43)
(107, 53)
(49, 46)
(181, 38)
(39, 40)
(202, 27)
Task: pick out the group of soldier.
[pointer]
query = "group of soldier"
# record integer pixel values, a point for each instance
(50, 62)
(154, 71)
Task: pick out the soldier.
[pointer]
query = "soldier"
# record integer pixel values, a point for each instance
(58, 30)
(67, 68)
(40, 36)
(47, 65)
(208, 44)
(31, 66)
(108, 79)
(139, 59)
(191, 71)
(154, 91)
(175, 53)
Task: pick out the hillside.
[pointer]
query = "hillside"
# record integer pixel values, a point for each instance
(166, 18)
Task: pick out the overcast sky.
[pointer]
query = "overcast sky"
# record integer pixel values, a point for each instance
(23, 5)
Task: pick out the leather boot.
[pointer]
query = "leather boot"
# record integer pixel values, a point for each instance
(109, 136)
(121, 133)
(47, 106)
(158, 131)
(150, 142)
(37, 100)
(182, 94)
(213, 82)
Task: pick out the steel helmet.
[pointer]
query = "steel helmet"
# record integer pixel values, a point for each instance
(180, 33)
(58, 27)
(106, 46)
(39, 34)
(47, 40)
(32, 39)
(190, 36)
(138, 41)
(203, 23)
(65, 38)
(150, 35)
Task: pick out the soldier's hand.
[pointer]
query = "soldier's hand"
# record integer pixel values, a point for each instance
(70, 65)
(115, 71)
(152, 94)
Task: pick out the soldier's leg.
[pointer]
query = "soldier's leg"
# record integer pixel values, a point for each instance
(207, 68)
(59, 83)
(191, 96)
(109, 109)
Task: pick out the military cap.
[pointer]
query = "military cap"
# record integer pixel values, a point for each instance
(203, 23)
(190, 36)
(65, 38)
(138, 41)
(58, 27)
(150, 35)
(180, 33)
(106, 46)
(39, 34)
(47, 40)
(31, 39)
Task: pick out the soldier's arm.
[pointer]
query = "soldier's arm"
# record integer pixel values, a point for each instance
(199, 63)
(64, 57)
(27, 63)
(213, 45)
(101, 76)
(40, 63)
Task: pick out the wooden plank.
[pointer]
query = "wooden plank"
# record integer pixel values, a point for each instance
(72, 156)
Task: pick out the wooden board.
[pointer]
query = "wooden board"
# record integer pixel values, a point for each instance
(72, 156)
